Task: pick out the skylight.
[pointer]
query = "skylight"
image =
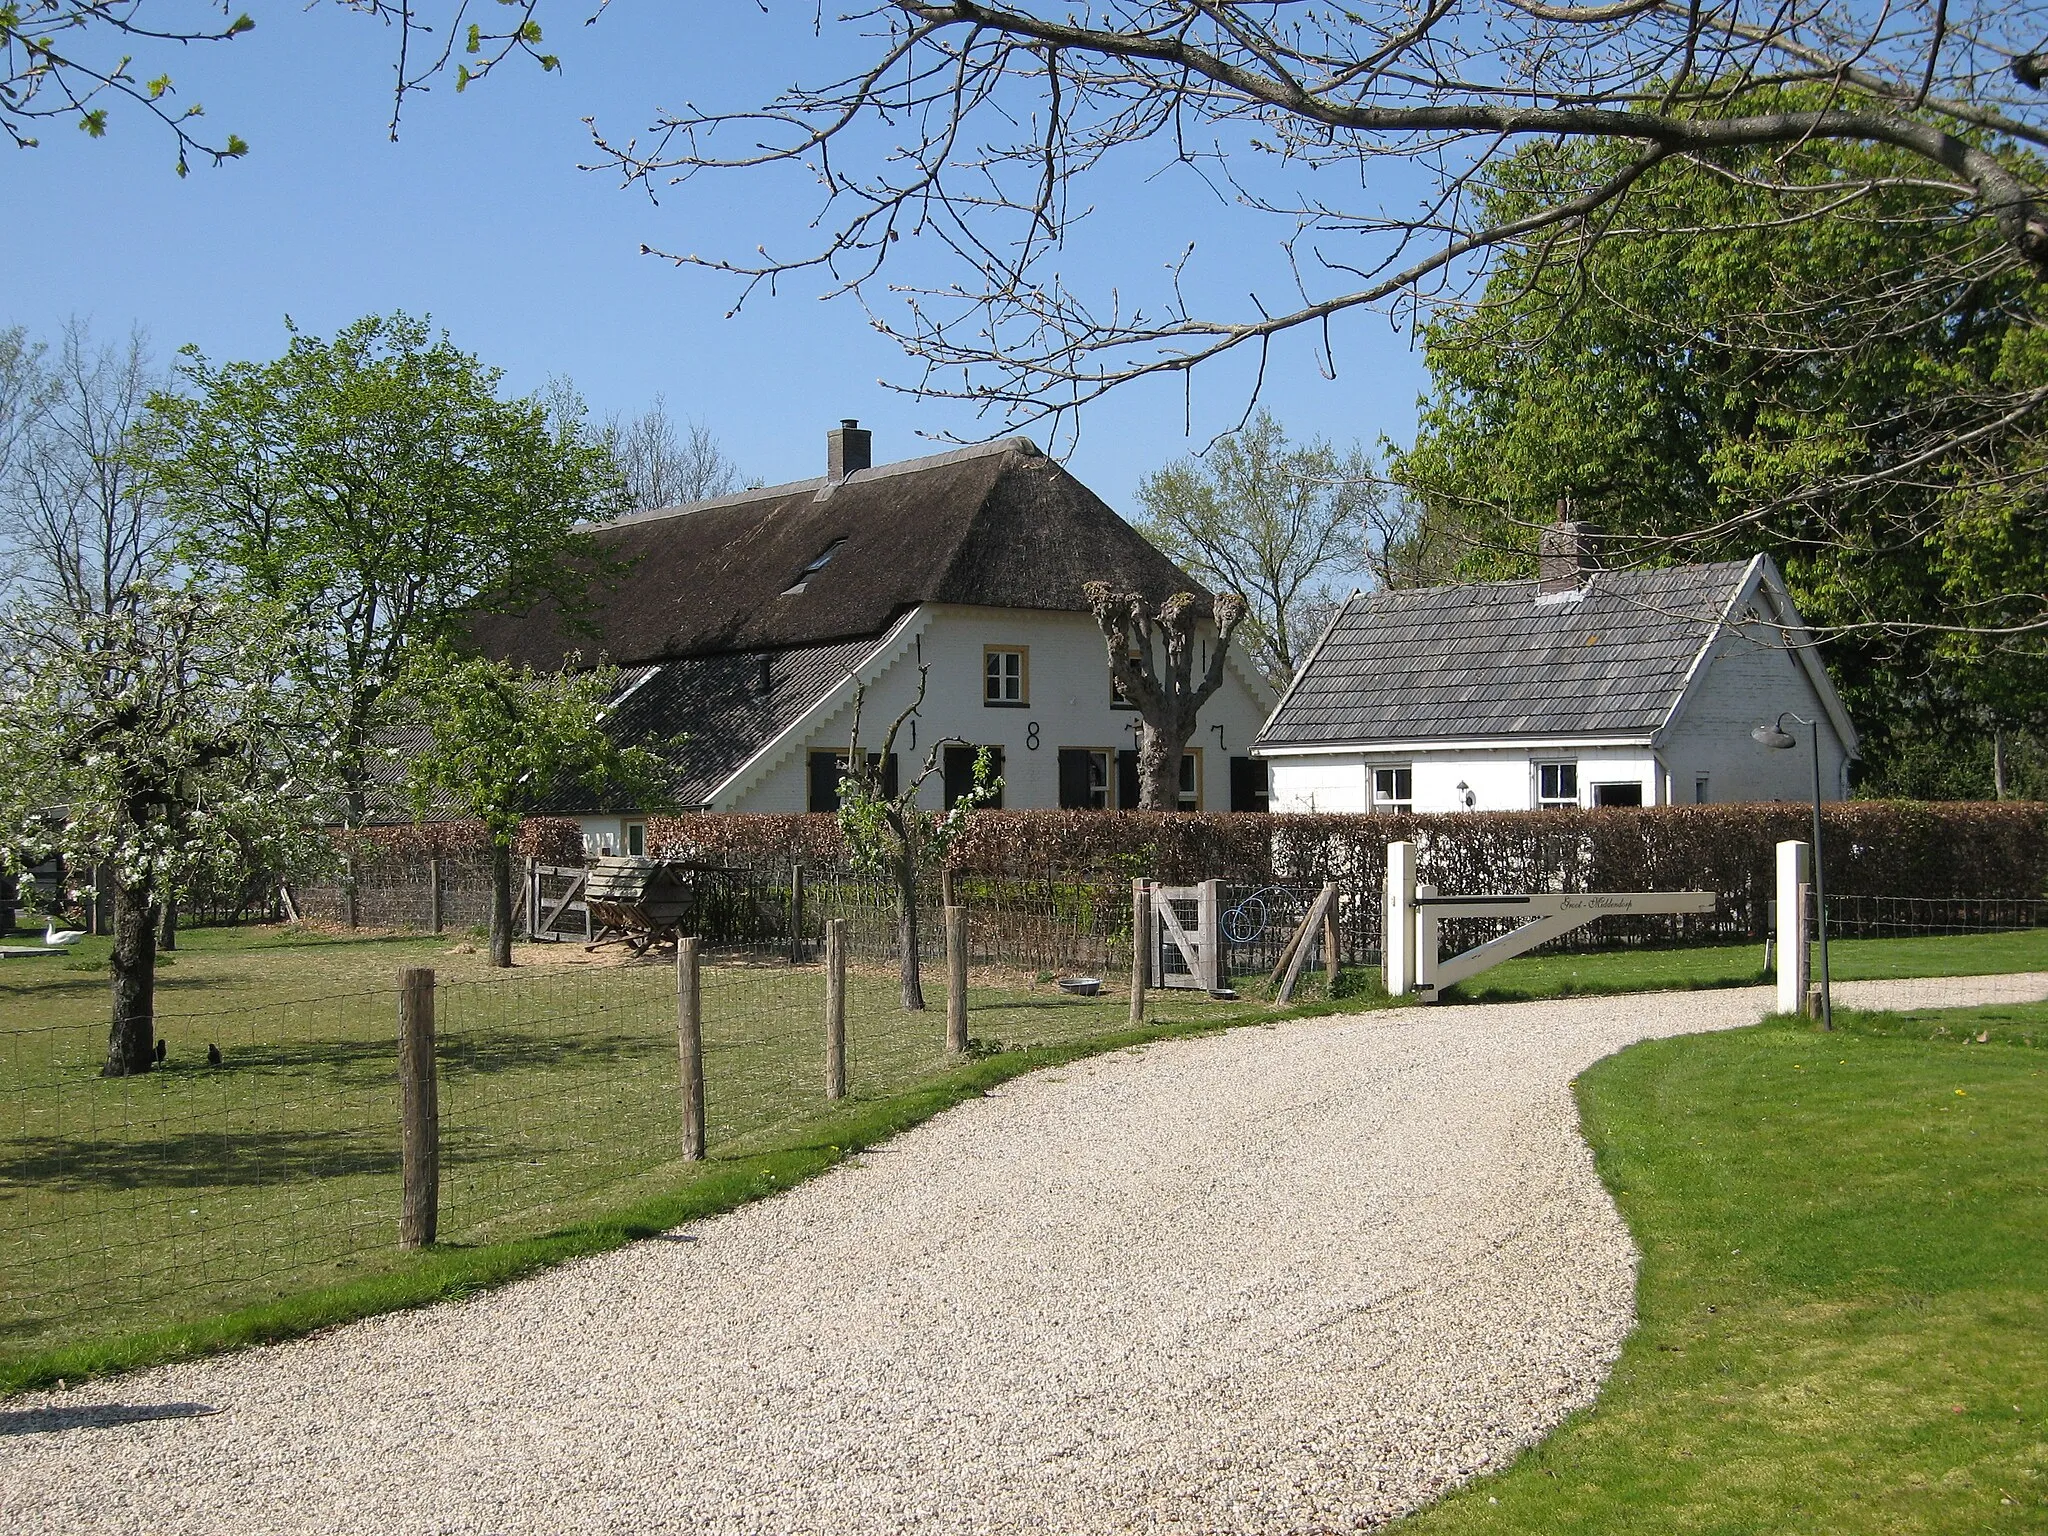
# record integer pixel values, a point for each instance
(803, 577)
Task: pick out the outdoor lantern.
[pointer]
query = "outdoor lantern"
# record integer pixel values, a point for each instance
(1775, 735)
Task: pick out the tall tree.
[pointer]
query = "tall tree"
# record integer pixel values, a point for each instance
(501, 743)
(376, 489)
(665, 465)
(1273, 520)
(154, 739)
(1152, 656)
(76, 510)
(1740, 365)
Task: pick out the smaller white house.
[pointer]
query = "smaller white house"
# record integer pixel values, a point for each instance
(1582, 688)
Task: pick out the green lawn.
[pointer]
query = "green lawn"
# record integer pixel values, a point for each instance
(1844, 1290)
(164, 1201)
(197, 1208)
(1741, 965)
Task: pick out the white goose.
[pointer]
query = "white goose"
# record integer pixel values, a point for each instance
(56, 938)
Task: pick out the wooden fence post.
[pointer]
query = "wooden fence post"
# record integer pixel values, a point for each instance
(419, 1109)
(1209, 910)
(796, 914)
(1330, 964)
(956, 981)
(691, 1049)
(690, 1046)
(1141, 948)
(434, 913)
(835, 1008)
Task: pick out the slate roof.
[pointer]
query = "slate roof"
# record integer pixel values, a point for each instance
(726, 707)
(1000, 525)
(1474, 662)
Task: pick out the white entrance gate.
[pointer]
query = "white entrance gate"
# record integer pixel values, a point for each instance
(1413, 962)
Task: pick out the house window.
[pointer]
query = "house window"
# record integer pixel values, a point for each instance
(1393, 789)
(1251, 783)
(822, 559)
(1190, 796)
(1084, 779)
(1699, 790)
(1006, 677)
(828, 768)
(636, 839)
(957, 771)
(1557, 786)
(1618, 794)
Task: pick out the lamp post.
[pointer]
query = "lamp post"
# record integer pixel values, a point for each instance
(1775, 735)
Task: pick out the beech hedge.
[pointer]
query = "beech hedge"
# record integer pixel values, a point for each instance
(1873, 848)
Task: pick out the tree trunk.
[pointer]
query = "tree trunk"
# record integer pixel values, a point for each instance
(131, 1042)
(167, 936)
(1159, 769)
(906, 932)
(501, 901)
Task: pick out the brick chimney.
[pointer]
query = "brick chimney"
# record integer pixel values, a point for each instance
(1562, 560)
(848, 448)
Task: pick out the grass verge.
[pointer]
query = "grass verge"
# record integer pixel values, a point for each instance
(1843, 1303)
(1607, 972)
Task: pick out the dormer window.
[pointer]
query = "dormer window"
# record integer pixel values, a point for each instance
(803, 577)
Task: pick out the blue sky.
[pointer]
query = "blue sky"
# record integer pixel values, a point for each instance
(480, 217)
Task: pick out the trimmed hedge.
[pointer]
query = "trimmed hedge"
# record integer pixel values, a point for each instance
(1874, 848)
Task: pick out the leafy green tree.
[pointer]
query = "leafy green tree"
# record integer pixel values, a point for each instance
(888, 836)
(1810, 357)
(377, 491)
(501, 743)
(1274, 520)
(158, 739)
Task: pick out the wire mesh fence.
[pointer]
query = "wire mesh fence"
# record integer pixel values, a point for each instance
(1895, 917)
(207, 1185)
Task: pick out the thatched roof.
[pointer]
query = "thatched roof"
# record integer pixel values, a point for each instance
(999, 525)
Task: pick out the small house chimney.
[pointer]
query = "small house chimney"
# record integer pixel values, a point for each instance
(1562, 561)
(848, 448)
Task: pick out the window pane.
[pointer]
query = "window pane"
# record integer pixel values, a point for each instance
(1568, 781)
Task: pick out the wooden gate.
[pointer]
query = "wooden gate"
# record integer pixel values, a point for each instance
(555, 909)
(1187, 936)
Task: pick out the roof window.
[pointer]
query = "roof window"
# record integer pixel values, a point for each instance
(803, 577)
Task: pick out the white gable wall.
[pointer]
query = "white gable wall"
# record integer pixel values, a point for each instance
(1751, 677)
(1068, 705)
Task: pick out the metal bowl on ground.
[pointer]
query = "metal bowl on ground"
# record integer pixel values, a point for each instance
(1081, 986)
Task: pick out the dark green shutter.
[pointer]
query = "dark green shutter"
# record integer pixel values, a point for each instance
(1127, 780)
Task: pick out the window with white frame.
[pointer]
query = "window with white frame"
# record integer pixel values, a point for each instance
(1393, 788)
(1557, 785)
(1006, 676)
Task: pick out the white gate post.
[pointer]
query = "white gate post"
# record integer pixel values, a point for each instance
(1793, 955)
(1397, 932)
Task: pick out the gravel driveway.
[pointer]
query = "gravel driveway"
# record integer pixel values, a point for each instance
(1294, 1278)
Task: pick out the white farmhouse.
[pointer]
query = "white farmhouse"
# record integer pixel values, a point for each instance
(746, 624)
(1582, 688)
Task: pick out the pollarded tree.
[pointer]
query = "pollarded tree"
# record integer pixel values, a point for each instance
(1152, 656)
(158, 740)
(888, 835)
(377, 492)
(502, 743)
